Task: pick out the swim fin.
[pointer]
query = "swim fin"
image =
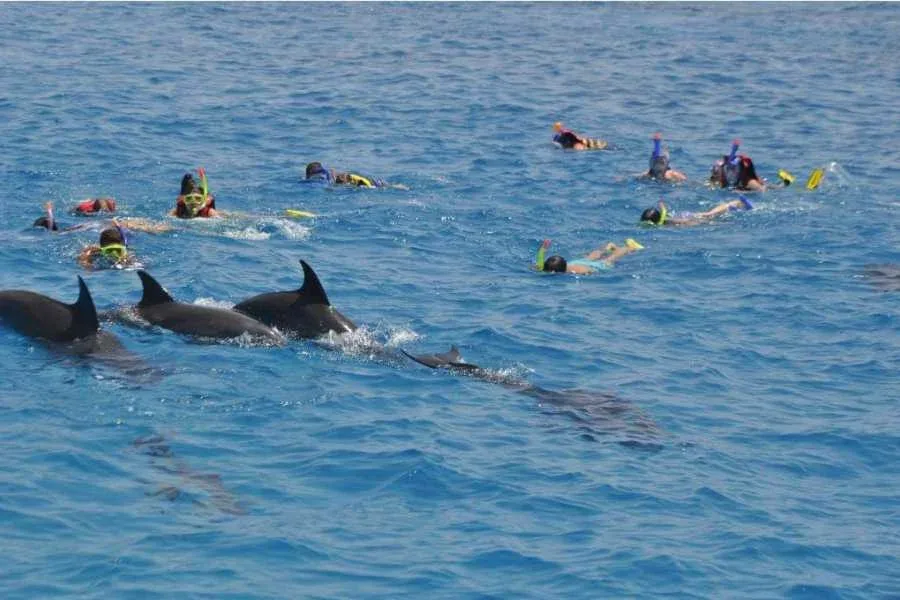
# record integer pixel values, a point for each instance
(745, 202)
(815, 178)
(632, 244)
(786, 177)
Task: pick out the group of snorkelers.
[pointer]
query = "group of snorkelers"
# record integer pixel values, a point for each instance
(195, 201)
(732, 171)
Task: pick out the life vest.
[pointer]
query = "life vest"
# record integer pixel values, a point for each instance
(93, 205)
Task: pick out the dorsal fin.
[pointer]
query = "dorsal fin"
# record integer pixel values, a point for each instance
(451, 357)
(311, 291)
(84, 313)
(153, 292)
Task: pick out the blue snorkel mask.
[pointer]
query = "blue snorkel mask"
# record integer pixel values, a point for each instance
(321, 174)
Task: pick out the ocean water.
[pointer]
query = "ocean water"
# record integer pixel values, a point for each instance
(715, 417)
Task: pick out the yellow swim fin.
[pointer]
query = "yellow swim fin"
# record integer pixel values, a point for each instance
(786, 177)
(631, 243)
(815, 178)
(293, 212)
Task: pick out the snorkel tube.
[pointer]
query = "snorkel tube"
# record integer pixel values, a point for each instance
(663, 214)
(657, 146)
(122, 232)
(51, 222)
(204, 184)
(732, 158)
(539, 259)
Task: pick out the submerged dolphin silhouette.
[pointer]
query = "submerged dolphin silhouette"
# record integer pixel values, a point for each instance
(885, 277)
(596, 412)
(304, 313)
(158, 308)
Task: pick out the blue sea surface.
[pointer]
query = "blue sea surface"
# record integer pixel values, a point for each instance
(715, 417)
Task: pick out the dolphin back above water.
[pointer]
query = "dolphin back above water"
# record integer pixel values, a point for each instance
(158, 308)
(305, 313)
(39, 316)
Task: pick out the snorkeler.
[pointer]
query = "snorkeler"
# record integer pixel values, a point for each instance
(660, 169)
(736, 171)
(195, 201)
(49, 222)
(92, 206)
(315, 172)
(570, 140)
(661, 216)
(111, 252)
(598, 260)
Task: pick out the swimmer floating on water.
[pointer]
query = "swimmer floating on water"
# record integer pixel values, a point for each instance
(111, 252)
(315, 172)
(737, 171)
(49, 222)
(570, 140)
(661, 216)
(660, 169)
(195, 201)
(92, 206)
(598, 260)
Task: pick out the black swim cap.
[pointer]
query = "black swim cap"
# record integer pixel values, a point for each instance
(651, 214)
(45, 223)
(111, 235)
(188, 186)
(555, 264)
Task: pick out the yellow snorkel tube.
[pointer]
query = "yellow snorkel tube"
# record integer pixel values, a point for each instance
(663, 214)
(539, 259)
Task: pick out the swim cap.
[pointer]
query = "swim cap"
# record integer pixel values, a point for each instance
(651, 215)
(188, 185)
(555, 264)
(45, 223)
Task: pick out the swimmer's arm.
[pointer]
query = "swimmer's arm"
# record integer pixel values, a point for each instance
(755, 185)
(673, 175)
(579, 270)
(87, 256)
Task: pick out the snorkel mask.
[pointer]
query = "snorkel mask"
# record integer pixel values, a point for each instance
(116, 251)
(659, 160)
(194, 203)
(319, 173)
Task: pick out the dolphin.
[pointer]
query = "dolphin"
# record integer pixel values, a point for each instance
(39, 316)
(158, 308)
(884, 277)
(597, 413)
(73, 329)
(304, 313)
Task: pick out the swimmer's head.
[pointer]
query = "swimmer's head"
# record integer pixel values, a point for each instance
(45, 223)
(111, 235)
(557, 127)
(659, 165)
(315, 170)
(188, 185)
(555, 264)
(651, 215)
